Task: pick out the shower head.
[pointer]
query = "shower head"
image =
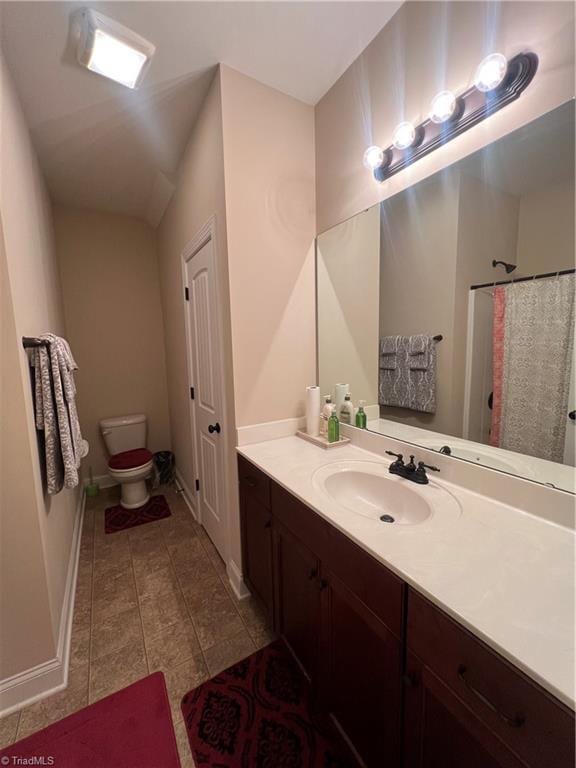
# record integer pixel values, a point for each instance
(508, 267)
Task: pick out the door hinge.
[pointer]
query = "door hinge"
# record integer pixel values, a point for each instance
(197, 485)
(186, 293)
(191, 393)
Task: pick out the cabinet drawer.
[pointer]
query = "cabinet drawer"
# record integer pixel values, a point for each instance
(537, 727)
(302, 521)
(254, 481)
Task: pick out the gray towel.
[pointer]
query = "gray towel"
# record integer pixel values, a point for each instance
(419, 348)
(388, 352)
(56, 415)
(405, 386)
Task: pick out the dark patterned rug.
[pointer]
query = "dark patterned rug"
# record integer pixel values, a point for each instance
(257, 714)
(119, 519)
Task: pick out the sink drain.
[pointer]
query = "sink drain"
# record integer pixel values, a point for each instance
(387, 518)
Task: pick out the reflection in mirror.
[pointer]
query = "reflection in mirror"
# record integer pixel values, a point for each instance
(481, 254)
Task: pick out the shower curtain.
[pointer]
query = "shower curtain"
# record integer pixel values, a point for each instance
(533, 335)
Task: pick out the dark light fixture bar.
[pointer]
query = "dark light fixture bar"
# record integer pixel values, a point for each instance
(467, 110)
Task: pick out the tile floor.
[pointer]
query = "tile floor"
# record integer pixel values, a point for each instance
(152, 598)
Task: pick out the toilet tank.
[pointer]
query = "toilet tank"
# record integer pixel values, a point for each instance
(124, 433)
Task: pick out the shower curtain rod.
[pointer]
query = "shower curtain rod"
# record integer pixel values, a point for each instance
(523, 279)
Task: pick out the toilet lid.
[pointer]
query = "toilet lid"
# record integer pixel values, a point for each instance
(130, 459)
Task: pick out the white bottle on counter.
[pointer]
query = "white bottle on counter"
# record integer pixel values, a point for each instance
(346, 414)
(325, 415)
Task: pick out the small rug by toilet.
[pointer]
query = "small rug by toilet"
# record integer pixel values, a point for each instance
(132, 728)
(257, 713)
(119, 519)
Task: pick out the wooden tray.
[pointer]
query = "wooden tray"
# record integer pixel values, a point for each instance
(321, 441)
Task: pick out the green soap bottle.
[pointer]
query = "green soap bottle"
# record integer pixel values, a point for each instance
(361, 415)
(333, 428)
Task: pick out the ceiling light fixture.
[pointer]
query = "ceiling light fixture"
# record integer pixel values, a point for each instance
(497, 82)
(112, 50)
(443, 107)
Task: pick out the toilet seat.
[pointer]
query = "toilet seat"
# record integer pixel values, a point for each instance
(129, 460)
(130, 469)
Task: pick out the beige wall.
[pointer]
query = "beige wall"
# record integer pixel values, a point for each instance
(546, 230)
(269, 172)
(250, 164)
(199, 195)
(349, 306)
(428, 46)
(111, 291)
(36, 530)
(417, 282)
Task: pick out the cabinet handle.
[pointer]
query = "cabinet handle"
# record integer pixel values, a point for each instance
(322, 584)
(250, 482)
(312, 573)
(512, 722)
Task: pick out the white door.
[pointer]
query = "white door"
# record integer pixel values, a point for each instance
(206, 375)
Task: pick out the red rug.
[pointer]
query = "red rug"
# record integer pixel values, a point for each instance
(257, 713)
(119, 519)
(129, 729)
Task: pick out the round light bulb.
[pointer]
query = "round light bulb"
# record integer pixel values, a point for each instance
(491, 72)
(404, 135)
(443, 107)
(373, 157)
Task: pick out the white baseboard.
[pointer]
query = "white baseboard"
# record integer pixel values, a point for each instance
(103, 481)
(236, 581)
(269, 430)
(51, 676)
(188, 496)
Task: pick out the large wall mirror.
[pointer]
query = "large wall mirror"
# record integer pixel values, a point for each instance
(449, 307)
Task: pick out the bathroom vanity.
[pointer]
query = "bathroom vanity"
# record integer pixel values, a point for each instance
(419, 653)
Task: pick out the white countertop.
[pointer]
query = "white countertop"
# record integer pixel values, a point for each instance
(506, 575)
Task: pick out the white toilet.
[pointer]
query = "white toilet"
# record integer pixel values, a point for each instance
(130, 461)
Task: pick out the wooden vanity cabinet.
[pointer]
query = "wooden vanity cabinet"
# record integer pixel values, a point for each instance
(339, 612)
(297, 598)
(256, 527)
(360, 674)
(466, 705)
(402, 682)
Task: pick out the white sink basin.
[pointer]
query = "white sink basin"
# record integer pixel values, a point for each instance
(368, 489)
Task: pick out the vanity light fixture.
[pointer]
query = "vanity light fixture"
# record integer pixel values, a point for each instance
(404, 135)
(491, 72)
(373, 157)
(497, 82)
(443, 107)
(111, 49)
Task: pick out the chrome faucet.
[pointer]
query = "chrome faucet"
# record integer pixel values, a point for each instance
(411, 471)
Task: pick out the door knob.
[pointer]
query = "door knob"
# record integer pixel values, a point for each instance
(572, 415)
(214, 428)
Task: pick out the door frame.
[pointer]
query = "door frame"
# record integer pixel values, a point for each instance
(204, 235)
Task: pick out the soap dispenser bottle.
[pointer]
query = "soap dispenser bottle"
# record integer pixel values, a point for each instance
(325, 415)
(347, 410)
(361, 415)
(333, 427)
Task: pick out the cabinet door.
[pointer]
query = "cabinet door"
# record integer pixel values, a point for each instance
(440, 731)
(297, 598)
(257, 548)
(360, 678)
